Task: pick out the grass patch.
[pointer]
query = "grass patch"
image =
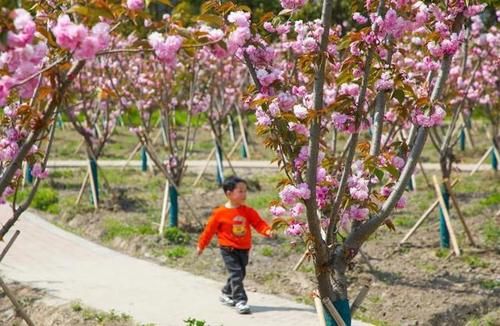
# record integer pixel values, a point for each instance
(442, 252)
(176, 236)
(367, 319)
(46, 199)
(267, 251)
(261, 200)
(101, 317)
(404, 221)
(114, 228)
(489, 284)
(475, 262)
(493, 199)
(176, 252)
(194, 322)
(491, 232)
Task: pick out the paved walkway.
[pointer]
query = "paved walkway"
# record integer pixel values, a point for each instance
(71, 268)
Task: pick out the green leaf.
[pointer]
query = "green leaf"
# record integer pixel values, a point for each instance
(392, 170)
(344, 76)
(213, 20)
(379, 174)
(165, 2)
(91, 12)
(399, 95)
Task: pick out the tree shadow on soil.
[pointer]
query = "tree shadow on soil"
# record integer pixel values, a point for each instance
(442, 282)
(459, 314)
(259, 309)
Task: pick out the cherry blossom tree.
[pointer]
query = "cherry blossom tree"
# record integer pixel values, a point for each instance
(359, 85)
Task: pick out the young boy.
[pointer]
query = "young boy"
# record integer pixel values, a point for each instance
(231, 222)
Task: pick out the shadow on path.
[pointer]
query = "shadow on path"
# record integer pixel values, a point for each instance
(258, 309)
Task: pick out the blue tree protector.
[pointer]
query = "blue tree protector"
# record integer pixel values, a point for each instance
(173, 197)
(28, 176)
(494, 161)
(343, 309)
(94, 176)
(219, 167)
(144, 159)
(443, 230)
(462, 140)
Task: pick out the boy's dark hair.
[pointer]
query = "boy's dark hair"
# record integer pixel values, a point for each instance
(230, 183)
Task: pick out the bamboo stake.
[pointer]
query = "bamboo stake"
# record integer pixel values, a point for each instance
(82, 188)
(7, 247)
(19, 308)
(427, 181)
(301, 260)
(136, 149)
(165, 208)
(242, 128)
(6, 290)
(319, 311)
(335, 314)
(200, 174)
(424, 216)
(79, 146)
(359, 298)
(447, 219)
(92, 186)
(459, 212)
(476, 167)
(235, 146)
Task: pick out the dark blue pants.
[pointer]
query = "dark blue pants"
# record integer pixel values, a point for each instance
(236, 261)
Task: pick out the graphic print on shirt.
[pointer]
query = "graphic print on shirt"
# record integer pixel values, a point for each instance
(239, 228)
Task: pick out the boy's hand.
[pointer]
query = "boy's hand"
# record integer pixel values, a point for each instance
(270, 234)
(199, 251)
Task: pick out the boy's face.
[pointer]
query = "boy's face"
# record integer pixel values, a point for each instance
(238, 195)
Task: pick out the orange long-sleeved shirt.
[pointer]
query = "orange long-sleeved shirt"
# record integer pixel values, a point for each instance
(232, 226)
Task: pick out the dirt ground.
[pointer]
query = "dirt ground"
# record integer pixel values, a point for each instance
(412, 284)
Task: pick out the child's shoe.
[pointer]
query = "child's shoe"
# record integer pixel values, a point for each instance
(225, 299)
(242, 307)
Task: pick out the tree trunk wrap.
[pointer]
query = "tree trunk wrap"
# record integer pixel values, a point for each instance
(144, 159)
(173, 197)
(219, 167)
(93, 169)
(29, 176)
(444, 235)
(494, 161)
(462, 140)
(343, 309)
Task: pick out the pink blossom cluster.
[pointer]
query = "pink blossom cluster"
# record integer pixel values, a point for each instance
(135, 4)
(296, 228)
(434, 119)
(165, 48)
(37, 171)
(353, 213)
(290, 194)
(239, 37)
(292, 4)
(20, 58)
(77, 37)
(385, 83)
(358, 187)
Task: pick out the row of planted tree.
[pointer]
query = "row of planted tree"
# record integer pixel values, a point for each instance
(401, 73)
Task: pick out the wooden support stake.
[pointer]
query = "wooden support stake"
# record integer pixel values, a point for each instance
(12, 298)
(79, 146)
(424, 216)
(476, 167)
(319, 311)
(82, 188)
(359, 298)
(7, 247)
(200, 174)
(136, 149)
(19, 308)
(301, 260)
(447, 219)
(235, 146)
(459, 212)
(165, 208)
(331, 309)
(93, 186)
(427, 181)
(242, 128)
